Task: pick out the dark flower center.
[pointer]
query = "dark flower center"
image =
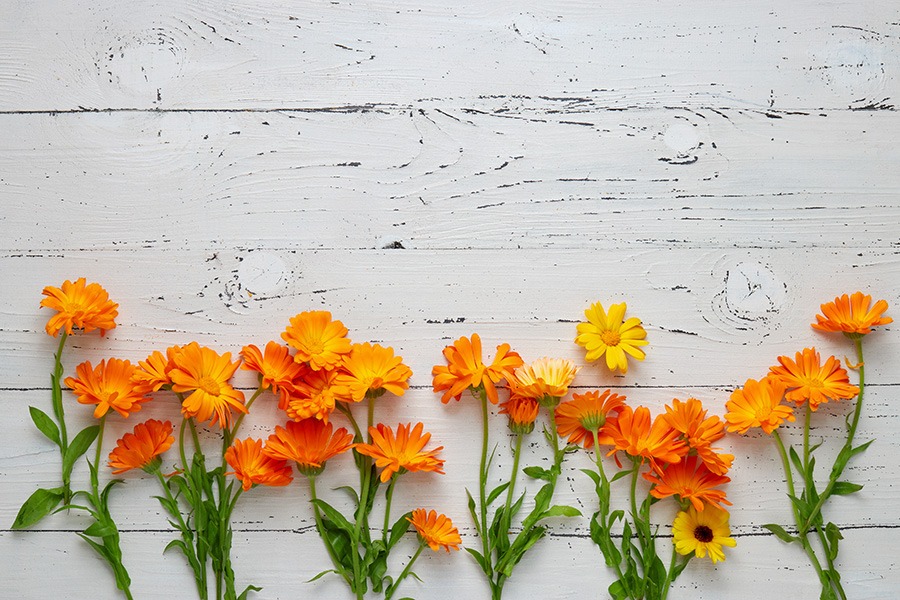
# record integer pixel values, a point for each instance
(703, 534)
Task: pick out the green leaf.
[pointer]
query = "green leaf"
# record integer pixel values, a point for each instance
(844, 488)
(833, 535)
(796, 460)
(801, 506)
(479, 558)
(861, 448)
(100, 529)
(620, 475)
(45, 424)
(398, 529)
(561, 510)
(323, 574)
(247, 590)
(617, 590)
(537, 473)
(780, 533)
(40, 504)
(496, 492)
(334, 516)
(595, 477)
(350, 492)
(78, 446)
(474, 512)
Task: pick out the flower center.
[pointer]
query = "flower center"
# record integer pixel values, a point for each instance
(610, 337)
(704, 534)
(315, 347)
(815, 383)
(209, 385)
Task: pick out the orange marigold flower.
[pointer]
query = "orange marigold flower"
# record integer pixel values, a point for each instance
(276, 367)
(465, 369)
(586, 413)
(309, 443)
(401, 453)
(609, 334)
(142, 448)
(689, 480)
(546, 380)
(631, 431)
(700, 432)
(852, 315)
(808, 379)
(205, 374)
(522, 413)
(319, 341)
(108, 386)
(314, 396)
(371, 369)
(81, 305)
(153, 373)
(758, 404)
(253, 467)
(435, 530)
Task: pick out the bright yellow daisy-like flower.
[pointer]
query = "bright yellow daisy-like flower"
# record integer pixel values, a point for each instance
(314, 396)
(702, 532)
(609, 334)
(700, 432)
(319, 341)
(435, 530)
(401, 453)
(253, 467)
(586, 413)
(522, 413)
(689, 480)
(109, 385)
(205, 374)
(465, 369)
(141, 449)
(276, 367)
(309, 443)
(807, 379)
(371, 369)
(80, 305)
(546, 380)
(852, 315)
(758, 404)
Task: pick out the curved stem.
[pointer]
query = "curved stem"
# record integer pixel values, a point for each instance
(390, 591)
(389, 496)
(517, 451)
(230, 434)
(345, 409)
(669, 579)
(323, 534)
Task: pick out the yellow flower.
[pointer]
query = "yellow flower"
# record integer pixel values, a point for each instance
(546, 380)
(702, 532)
(606, 333)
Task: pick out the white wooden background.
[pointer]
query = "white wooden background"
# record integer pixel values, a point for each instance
(428, 169)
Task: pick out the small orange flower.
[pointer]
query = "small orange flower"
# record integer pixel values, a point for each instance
(205, 374)
(852, 315)
(319, 341)
(546, 379)
(401, 453)
(758, 404)
(252, 467)
(81, 305)
(435, 530)
(108, 386)
(314, 396)
(808, 379)
(153, 373)
(689, 480)
(309, 443)
(700, 432)
(371, 369)
(465, 369)
(586, 413)
(632, 433)
(277, 369)
(142, 448)
(522, 413)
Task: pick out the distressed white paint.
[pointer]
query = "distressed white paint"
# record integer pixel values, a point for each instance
(425, 170)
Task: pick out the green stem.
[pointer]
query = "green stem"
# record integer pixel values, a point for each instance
(604, 506)
(184, 463)
(393, 587)
(343, 408)
(389, 496)
(517, 451)
(95, 483)
(230, 434)
(668, 583)
(59, 412)
(482, 487)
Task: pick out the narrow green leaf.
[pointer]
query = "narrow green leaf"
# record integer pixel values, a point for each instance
(40, 504)
(561, 510)
(45, 424)
(400, 527)
(780, 533)
(323, 574)
(801, 506)
(595, 477)
(247, 590)
(861, 448)
(844, 488)
(100, 529)
(620, 475)
(334, 516)
(833, 535)
(795, 459)
(496, 492)
(537, 473)
(78, 446)
(479, 558)
(617, 590)
(350, 492)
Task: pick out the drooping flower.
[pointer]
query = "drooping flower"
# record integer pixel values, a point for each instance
(522, 412)
(435, 530)
(153, 373)
(141, 449)
(586, 413)
(546, 380)
(205, 374)
(319, 341)
(609, 334)
(371, 369)
(852, 315)
(253, 467)
(758, 404)
(309, 443)
(465, 369)
(401, 453)
(108, 386)
(807, 379)
(631, 431)
(276, 367)
(313, 396)
(700, 432)
(81, 305)
(702, 533)
(689, 480)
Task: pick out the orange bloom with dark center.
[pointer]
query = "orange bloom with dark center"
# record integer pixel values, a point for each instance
(435, 530)
(371, 369)
(758, 404)
(80, 305)
(544, 379)
(314, 396)
(689, 480)
(319, 341)
(586, 413)
(807, 379)
(141, 448)
(465, 369)
(108, 386)
(633, 433)
(700, 432)
(852, 315)
(522, 413)
(401, 453)
(153, 373)
(276, 367)
(205, 374)
(309, 443)
(253, 467)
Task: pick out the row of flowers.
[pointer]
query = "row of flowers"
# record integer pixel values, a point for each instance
(318, 372)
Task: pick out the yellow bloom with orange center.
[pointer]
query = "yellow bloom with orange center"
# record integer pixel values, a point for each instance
(586, 413)
(153, 373)
(371, 369)
(700, 432)
(141, 448)
(109, 386)
(314, 396)
(205, 374)
(253, 467)
(318, 340)
(546, 380)
(435, 530)
(702, 533)
(632, 432)
(807, 379)
(276, 367)
(465, 369)
(852, 315)
(80, 305)
(401, 453)
(611, 335)
(758, 404)
(309, 443)
(689, 480)
(522, 412)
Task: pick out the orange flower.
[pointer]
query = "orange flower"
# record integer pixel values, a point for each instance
(313, 397)
(142, 448)
(252, 467)
(689, 418)
(808, 379)
(309, 443)
(852, 315)
(546, 379)
(205, 374)
(108, 386)
(318, 340)
(758, 404)
(522, 413)
(689, 480)
(586, 413)
(465, 369)
(632, 432)
(277, 369)
(435, 530)
(81, 305)
(401, 453)
(153, 373)
(371, 369)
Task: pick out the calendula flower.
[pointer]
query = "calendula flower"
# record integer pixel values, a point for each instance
(700, 432)
(205, 374)
(807, 379)
(80, 305)
(319, 341)
(631, 431)
(689, 480)
(607, 333)
(852, 315)
(435, 530)
(465, 369)
(522, 413)
(253, 467)
(546, 380)
(702, 532)
(108, 386)
(141, 449)
(309, 443)
(371, 369)
(758, 404)
(276, 367)
(153, 373)
(401, 453)
(313, 396)
(586, 413)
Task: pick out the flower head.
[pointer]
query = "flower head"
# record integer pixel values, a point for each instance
(546, 380)
(276, 367)
(586, 413)
(81, 305)
(702, 532)
(309, 443)
(372, 369)
(632, 432)
(205, 373)
(852, 315)
(700, 432)
(401, 453)
(758, 404)
(807, 379)
(253, 467)
(319, 341)
(108, 386)
(608, 333)
(522, 413)
(141, 449)
(435, 530)
(689, 480)
(465, 369)
(313, 396)
(153, 373)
